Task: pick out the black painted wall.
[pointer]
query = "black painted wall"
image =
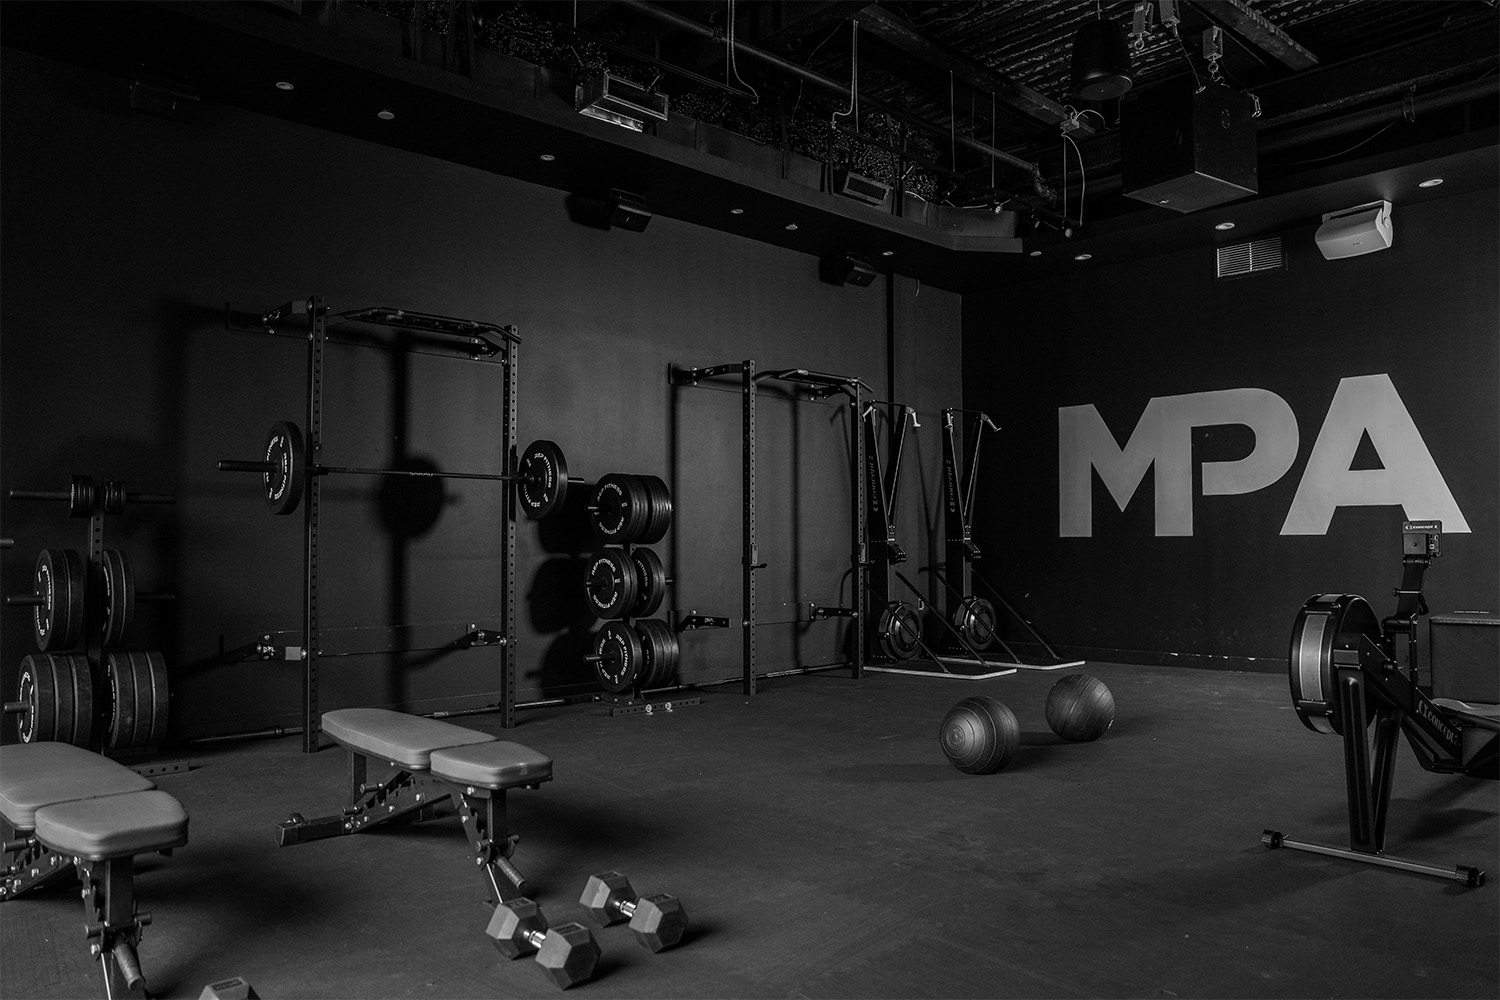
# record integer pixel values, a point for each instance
(1423, 312)
(123, 238)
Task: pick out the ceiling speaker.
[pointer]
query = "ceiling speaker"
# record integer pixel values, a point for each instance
(1184, 150)
(1354, 231)
(1101, 61)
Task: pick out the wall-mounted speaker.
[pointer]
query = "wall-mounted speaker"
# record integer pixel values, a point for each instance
(1354, 231)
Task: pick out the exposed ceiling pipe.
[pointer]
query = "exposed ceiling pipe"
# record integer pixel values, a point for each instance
(801, 72)
(1415, 105)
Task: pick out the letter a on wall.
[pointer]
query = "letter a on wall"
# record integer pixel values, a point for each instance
(1370, 404)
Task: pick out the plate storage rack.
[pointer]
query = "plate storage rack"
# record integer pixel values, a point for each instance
(84, 685)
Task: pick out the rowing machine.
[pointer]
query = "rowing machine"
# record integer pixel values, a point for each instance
(1345, 675)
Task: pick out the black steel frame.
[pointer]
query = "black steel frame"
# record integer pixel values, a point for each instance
(441, 336)
(821, 386)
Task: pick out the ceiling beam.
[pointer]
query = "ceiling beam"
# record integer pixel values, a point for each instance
(902, 34)
(1255, 29)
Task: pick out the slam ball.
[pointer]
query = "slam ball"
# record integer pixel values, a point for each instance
(1080, 708)
(980, 735)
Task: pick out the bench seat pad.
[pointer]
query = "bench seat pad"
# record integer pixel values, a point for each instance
(407, 740)
(500, 764)
(33, 775)
(113, 826)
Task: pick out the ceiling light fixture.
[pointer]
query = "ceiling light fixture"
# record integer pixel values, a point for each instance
(791, 227)
(887, 253)
(1224, 226)
(547, 157)
(1036, 253)
(736, 211)
(1431, 182)
(385, 114)
(1083, 256)
(285, 85)
(1101, 62)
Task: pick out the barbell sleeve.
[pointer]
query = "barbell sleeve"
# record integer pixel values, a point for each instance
(25, 600)
(39, 495)
(230, 465)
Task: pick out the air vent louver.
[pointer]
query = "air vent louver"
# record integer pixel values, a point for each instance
(1239, 259)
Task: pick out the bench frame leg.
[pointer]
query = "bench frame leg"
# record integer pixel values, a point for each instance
(114, 925)
(30, 864)
(482, 811)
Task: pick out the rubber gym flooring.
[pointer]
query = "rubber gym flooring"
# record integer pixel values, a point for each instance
(825, 848)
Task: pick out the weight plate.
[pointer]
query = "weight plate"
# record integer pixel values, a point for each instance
(1326, 623)
(620, 508)
(58, 690)
(660, 652)
(81, 496)
(650, 583)
(543, 485)
(138, 698)
(119, 597)
(900, 631)
(114, 496)
(58, 621)
(610, 583)
(618, 652)
(975, 621)
(659, 510)
(284, 483)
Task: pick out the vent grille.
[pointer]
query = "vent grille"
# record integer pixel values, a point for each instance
(1239, 259)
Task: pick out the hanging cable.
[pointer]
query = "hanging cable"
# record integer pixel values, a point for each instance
(1197, 83)
(729, 39)
(952, 125)
(1083, 177)
(853, 108)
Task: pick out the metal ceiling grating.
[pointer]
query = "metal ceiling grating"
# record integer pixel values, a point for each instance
(1239, 259)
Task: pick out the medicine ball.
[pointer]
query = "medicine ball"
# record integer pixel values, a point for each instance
(1080, 708)
(980, 735)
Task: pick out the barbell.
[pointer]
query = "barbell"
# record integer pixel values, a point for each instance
(542, 482)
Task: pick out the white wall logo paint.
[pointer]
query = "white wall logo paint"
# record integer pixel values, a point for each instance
(1365, 404)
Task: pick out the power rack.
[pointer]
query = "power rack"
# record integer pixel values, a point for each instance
(401, 331)
(820, 385)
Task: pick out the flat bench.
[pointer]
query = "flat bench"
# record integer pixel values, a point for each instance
(67, 809)
(406, 766)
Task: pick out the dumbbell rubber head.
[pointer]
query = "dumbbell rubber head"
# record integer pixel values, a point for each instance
(603, 895)
(569, 954)
(513, 925)
(659, 921)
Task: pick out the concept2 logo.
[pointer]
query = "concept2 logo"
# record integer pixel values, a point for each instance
(1365, 404)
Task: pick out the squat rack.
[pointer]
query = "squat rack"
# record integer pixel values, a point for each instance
(821, 385)
(412, 333)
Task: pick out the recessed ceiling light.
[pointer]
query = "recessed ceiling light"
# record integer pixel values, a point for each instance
(285, 85)
(791, 227)
(887, 253)
(1036, 253)
(1431, 182)
(548, 157)
(1083, 256)
(1225, 226)
(1164, 201)
(385, 114)
(736, 211)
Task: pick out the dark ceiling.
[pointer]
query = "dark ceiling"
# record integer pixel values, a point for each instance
(963, 105)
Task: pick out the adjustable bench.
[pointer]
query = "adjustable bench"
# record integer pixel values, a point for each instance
(406, 766)
(68, 809)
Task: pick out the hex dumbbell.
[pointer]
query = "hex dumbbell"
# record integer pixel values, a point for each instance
(658, 921)
(568, 951)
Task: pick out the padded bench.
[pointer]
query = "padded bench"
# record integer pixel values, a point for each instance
(405, 766)
(68, 809)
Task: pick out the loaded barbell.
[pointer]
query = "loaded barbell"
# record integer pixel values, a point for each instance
(83, 496)
(542, 482)
(58, 598)
(620, 584)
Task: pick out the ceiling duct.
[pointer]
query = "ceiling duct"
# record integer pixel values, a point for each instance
(619, 102)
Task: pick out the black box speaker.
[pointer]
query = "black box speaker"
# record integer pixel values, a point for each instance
(1464, 656)
(1184, 150)
(627, 211)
